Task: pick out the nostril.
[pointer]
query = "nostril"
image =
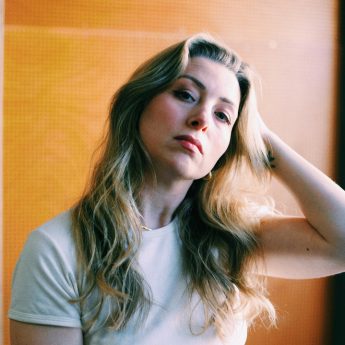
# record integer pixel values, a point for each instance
(195, 123)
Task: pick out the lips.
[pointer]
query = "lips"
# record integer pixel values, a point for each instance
(188, 142)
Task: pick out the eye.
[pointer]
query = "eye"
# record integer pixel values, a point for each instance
(223, 117)
(184, 95)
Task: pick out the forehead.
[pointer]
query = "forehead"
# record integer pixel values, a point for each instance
(216, 77)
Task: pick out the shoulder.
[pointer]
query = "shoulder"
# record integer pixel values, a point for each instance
(51, 245)
(55, 232)
(48, 259)
(45, 279)
(58, 227)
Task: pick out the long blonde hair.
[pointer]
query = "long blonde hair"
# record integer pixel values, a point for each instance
(216, 220)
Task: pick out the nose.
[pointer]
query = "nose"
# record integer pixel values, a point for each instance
(199, 120)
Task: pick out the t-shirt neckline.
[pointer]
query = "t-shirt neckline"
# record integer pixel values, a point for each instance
(164, 230)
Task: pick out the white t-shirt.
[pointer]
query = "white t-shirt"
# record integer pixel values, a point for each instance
(45, 281)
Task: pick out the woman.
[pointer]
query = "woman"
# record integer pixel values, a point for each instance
(166, 245)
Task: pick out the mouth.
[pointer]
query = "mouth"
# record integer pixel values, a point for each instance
(190, 143)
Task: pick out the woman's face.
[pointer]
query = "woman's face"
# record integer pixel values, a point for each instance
(187, 128)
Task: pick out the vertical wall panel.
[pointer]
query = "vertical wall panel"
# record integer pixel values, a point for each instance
(1, 160)
(338, 282)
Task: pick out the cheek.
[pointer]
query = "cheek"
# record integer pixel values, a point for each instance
(160, 113)
(220, 147)
(223, 142)
(148, 121)
(223, 148)
(156, 123)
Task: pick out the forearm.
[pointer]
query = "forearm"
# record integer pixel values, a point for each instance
(30, 334)
(322, 201)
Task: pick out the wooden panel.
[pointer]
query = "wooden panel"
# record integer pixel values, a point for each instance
(64, 60)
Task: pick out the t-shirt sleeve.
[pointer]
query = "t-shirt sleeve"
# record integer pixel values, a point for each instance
(44, 281)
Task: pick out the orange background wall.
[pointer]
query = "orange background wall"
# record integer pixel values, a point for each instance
(64, 60)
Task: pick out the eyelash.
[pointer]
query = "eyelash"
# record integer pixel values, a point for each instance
(227, 118)
(186, 96)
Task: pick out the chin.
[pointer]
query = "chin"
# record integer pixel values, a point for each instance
(180, 169)
(190, 176)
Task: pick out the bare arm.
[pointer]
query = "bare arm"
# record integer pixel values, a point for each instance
(30, 334)
(307, 247)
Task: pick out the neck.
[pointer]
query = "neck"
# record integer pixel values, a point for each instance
(158, 203)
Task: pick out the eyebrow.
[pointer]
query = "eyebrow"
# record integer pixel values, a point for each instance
(203, 87)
